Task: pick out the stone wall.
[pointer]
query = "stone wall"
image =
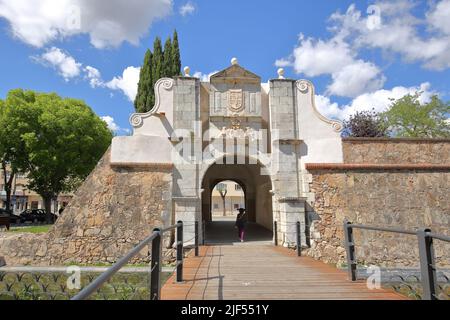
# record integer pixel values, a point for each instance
(110, 213)
(396, 151)
(390, 183)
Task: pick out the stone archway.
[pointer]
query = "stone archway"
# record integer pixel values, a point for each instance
(257, 188)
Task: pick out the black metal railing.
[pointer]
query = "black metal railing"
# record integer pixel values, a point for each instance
(298, 237)
(426, 254)
(155, 240)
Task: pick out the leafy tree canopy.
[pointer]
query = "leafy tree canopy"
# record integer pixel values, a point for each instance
(365, 124)
(407, 117)
(57, 141)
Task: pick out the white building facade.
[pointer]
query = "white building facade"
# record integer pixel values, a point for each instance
(259, 135)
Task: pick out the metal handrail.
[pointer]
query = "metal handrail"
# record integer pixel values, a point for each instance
(156, 266)
(426, 253)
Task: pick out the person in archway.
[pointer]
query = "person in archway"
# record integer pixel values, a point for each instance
(240, 224)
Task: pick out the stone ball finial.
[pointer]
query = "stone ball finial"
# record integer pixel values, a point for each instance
(187, 71)
(234, 61)
(281, 73)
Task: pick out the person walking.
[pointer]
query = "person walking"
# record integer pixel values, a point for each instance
(240, 224)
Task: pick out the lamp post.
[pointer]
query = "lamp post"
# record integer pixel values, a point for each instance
(222, 188)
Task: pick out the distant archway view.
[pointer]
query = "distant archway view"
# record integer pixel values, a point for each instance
(226, 199)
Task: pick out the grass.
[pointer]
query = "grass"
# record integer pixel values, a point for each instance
(53, 286)
(31, 229)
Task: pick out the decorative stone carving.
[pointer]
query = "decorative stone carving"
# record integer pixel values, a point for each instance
(304, 86)
(137, 119)
(235, 100)
(236, 131)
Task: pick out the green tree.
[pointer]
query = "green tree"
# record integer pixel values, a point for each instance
(6, 155)
(145, 96)
(161, 63)
(407, 117)
(167, 59)
(365, 124)
(176, 57)
(60, 140)
(157, 61)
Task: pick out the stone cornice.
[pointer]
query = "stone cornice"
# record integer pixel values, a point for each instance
(396, 140)
(141, 165)
(375, 166)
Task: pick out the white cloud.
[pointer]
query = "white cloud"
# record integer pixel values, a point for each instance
(439, 16)
(112, 125)
(108, 25)
(388, 25)
(127, 83)
(379, 100)
(204, 77)
(65, 64)
(355, 79)
(399, 32)
(94, 76)
(350, 76)
(316, 57)
(187, 9)
(69, 69)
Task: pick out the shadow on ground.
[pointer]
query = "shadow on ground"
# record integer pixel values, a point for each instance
(223, 231)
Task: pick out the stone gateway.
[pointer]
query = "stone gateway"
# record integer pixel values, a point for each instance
(270, 139)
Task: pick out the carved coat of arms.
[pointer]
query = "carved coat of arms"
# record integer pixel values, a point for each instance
(235, 100)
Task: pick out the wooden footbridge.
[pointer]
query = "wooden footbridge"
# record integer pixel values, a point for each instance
(257, 270)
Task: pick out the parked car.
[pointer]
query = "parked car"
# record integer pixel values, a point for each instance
(12, 217)
(36, 215)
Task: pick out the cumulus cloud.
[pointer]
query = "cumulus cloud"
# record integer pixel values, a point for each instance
(65, 64)
(94, 76)
(187, 9)
(70, 69)
(127, 83)
(378, 100)
(107, 25)
(112, 125)
(399, 31)
(390, 26)
(204, 77)
(350, 76)
(355, 79)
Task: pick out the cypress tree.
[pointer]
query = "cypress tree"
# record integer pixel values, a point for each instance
(157, 61)
(145, 97)
(176, 57)
(157, 65)
(167, 61)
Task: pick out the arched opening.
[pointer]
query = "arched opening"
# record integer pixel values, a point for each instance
(256, 186)
(227, 197)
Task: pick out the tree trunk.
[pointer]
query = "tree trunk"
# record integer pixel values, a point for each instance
(8, 185)
(48, 208)
(224, 209)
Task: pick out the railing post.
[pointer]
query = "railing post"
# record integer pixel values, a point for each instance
(299, 240)
(350, 248)
(180, 251)
(427, 264)
(203, 232)
(275, 233)
(196, 239)
(156, 266)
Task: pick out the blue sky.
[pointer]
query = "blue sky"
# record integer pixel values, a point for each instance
(357, 53)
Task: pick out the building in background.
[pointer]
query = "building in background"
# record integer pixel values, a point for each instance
(23, 198)
(234, 198)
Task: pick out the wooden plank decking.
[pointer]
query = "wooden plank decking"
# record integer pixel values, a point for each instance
(258, 272)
